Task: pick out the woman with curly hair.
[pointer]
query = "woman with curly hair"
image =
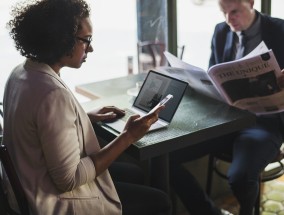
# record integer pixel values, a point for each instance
(49, 136)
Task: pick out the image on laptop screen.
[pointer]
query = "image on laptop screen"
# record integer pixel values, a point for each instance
(156, 87)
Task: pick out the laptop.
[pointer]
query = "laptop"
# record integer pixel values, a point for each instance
(155, 88)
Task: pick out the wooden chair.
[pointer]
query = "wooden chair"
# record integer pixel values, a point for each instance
(150, 55)
(214, 166)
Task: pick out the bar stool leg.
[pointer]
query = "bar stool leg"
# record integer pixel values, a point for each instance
(210, 174)
(257, 202)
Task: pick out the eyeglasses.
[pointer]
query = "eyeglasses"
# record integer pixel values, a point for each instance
(87, 41)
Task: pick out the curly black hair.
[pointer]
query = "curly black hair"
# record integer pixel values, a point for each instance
(44, 30)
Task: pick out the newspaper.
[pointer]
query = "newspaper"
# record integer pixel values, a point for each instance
(249, 83)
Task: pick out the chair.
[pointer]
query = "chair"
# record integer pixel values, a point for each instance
(267, 175)
(10, 171)
(150, 55)
(1, 127)
(181, 51)
(15, 183)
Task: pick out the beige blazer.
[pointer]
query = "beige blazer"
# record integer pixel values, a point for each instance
(49, 137)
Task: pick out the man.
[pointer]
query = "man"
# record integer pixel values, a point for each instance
(254, 147)
(242, 17)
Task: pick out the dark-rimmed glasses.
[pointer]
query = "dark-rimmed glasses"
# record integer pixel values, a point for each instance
(87, 41)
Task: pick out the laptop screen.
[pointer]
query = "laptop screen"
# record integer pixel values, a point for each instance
(155, 87)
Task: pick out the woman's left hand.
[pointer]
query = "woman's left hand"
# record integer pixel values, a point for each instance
(105, 114)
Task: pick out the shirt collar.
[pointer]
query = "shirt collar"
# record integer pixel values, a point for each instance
(254, 29)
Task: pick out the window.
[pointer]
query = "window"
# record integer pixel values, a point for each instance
(8, 54)
(196, 20)
(277, 8)
(114, 39)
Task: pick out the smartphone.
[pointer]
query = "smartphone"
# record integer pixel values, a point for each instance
(162, 102)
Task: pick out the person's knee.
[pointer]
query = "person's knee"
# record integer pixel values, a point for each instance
(126, 172)
(158, 202)
(164, 202)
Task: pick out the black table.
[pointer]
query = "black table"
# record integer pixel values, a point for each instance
(197, 119)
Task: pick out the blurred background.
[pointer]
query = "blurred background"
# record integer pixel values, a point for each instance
(116, 35)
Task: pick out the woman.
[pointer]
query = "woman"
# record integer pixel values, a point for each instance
(50, 138)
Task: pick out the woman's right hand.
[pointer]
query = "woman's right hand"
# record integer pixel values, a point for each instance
(137, 126)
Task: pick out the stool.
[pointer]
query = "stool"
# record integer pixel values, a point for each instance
(214, 166)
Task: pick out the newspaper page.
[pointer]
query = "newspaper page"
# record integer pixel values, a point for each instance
(249, 83)
(197, 78)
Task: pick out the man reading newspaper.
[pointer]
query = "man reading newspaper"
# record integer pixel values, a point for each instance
(248, 83)
(252, 148)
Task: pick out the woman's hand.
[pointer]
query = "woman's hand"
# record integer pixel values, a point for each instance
(106, 113)
(281, 79)
(136, 126)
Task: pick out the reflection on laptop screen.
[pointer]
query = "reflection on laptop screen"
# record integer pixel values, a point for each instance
(156, 88)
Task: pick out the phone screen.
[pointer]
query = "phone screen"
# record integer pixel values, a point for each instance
(162, 102)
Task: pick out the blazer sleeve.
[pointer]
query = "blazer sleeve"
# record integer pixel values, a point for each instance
(60, 136)
(273, 36)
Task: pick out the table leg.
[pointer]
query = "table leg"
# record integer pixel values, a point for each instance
(160, 173)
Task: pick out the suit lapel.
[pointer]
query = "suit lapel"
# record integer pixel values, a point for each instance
(228, 50)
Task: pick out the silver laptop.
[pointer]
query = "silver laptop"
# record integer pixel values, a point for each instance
(155, 88)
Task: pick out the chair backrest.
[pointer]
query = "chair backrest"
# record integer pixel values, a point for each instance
(1, 126)
(181, 52)
(1, 111)
(150, 55)
(14, 180)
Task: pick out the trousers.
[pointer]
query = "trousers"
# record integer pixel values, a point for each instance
(252, 148)
(137, 198)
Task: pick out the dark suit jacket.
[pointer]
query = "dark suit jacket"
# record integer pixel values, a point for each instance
(272, 31)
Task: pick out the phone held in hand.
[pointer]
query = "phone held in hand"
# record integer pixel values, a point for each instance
(162, 102)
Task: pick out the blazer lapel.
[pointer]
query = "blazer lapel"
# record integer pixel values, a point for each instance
(228, 50)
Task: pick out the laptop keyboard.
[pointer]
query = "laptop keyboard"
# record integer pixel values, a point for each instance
(128, 113)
